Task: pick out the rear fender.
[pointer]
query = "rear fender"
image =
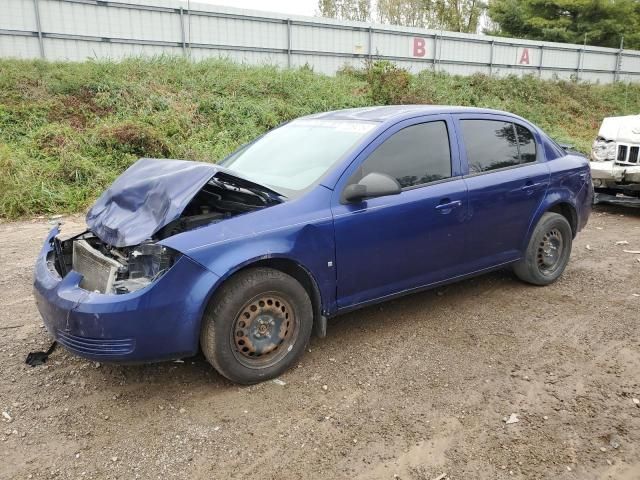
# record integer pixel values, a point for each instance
(569, 184)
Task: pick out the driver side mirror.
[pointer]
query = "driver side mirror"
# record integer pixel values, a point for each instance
(372, 185)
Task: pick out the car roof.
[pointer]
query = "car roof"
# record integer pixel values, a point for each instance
(397, 112)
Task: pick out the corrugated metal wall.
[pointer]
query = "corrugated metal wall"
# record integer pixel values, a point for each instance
(81, 29)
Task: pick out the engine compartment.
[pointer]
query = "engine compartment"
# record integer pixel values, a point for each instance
(216, 201)
(118, 270)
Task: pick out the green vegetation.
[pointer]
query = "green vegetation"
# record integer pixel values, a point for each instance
(603, 22)
(68, 129)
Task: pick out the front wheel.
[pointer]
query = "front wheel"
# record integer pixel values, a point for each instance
(548, 251)
(257, 325)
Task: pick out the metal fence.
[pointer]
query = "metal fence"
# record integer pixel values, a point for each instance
(80, 29)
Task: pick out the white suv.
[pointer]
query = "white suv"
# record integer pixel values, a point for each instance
(615, 161)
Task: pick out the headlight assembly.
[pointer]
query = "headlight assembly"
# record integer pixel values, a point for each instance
(603, 150)
(146, 263)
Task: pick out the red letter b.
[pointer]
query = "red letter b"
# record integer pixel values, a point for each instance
(419, 49)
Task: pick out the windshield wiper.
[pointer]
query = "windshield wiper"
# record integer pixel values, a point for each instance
(265, 193)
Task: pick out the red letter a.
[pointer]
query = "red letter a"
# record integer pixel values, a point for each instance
(524, 58)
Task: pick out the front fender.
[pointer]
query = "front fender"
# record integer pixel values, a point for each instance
(308, 245)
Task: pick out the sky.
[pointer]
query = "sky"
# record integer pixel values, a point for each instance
(292, 7)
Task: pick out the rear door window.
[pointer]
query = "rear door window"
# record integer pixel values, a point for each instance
(490, 144)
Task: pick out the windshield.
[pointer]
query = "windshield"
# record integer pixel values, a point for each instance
(293, 157)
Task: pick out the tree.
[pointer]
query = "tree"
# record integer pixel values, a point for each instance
(604, 22)
(357, 10)
(454, 15)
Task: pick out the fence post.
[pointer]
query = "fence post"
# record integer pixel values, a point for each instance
(580, 53)
(440, 47)
(493, 43)
(189, 29)
(288, 43)
(39, 27)
(435, 50)
(182, 33)
(370, 42)
(540, 62)
(616, 74)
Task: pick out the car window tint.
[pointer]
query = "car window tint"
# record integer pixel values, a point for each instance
(490, 144)
(415, 155)
(527, 144)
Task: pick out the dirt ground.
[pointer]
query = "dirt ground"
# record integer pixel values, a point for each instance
(415, 388)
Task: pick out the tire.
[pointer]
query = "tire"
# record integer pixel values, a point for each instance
(548, 251)
(257, 325)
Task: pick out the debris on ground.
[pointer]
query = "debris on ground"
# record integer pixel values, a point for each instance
(277, 381)
(513, 418)
(614, 442)
(7, 417)
(634, 252)
(622, 242)
(39, 358)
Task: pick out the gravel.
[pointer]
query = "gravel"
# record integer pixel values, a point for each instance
(415, 387)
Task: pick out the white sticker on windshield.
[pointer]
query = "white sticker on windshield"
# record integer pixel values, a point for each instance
(340, 125)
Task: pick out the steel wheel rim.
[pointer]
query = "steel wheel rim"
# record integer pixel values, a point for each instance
(264, 331)
(550, 252)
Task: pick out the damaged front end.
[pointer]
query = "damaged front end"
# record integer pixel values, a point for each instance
(615, 161)
(111, 270)
(122, 250)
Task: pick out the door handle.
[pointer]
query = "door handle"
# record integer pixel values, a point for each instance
(529, 187)
(446, 205)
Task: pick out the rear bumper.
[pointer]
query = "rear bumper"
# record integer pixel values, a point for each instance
(159, 322)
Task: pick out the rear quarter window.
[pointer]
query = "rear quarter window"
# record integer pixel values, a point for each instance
(551, 149)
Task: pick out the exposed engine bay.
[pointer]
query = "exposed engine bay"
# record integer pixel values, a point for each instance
(108, 269)
(217, 200)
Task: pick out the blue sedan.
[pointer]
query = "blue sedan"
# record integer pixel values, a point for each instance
(323, 215)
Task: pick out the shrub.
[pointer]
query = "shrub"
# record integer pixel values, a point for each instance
(388, 84)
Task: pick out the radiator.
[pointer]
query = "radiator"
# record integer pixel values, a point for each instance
(98, 271)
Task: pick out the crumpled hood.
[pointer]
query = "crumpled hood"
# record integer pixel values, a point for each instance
(621, 129)
(146, 197)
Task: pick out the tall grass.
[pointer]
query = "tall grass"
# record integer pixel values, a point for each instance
(68, 129)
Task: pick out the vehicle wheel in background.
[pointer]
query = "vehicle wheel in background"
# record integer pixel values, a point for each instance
(257, 325)
(548, 251)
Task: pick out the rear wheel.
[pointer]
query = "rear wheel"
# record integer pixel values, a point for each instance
(257, 325)
(548, 251)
